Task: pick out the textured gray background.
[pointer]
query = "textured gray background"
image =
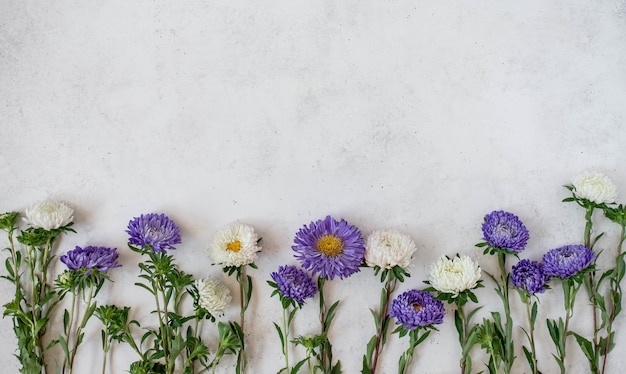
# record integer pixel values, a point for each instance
(421, 116)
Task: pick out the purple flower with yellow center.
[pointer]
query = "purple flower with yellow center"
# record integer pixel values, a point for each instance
(567, 261)
(294, 284)
(99, 258)
(153, 230)
(504, 230)
(529, 276)
(415, 308)
(330, 248)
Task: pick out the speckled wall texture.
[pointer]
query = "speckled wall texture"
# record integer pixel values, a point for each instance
(415, 115)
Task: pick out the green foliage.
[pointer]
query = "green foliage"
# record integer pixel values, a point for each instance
(34, 298)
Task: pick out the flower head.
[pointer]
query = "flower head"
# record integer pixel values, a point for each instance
(153, 230)
(389, 248)
(454, 275)
(330, 248)
(49, 215)
(213, 296)
(99, 258)
(567, 261)
(503, 230)
(294, 284)
(529, 276)
(234, 245)
(416, 308)
(595, 187)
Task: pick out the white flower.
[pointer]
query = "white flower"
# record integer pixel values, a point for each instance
(49, 215)
(234, 245)
(454, 275)
(389, 248)
(213, 296)
(595, 187)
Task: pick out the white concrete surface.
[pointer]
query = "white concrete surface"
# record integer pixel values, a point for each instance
(420, 116)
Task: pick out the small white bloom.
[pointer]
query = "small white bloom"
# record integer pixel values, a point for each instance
(454, 275)
(234, 245)
(214, 296)
(49, 215)
(595, 187)
(389, 248)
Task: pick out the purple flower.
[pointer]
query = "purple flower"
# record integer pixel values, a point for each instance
(529, 276)
(294, 284)
(503, 230)
(154, 230)
(330, 247)
(416, 308)
(567, 261)
(100, 258)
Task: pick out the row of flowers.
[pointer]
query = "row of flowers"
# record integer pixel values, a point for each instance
(326, 249)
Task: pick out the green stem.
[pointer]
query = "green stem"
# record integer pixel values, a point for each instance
(531, 333)
(80, 328)
(68, 328)
(408, 354)
(243, 304)
(157, 288)
(286, 340)
(390, 286)
(34, 301)
(323, 314)
(166, 323)
(590, 281)
(616, 293)
(105, 350)
(508, 343)
(464, 336)
(44, 266)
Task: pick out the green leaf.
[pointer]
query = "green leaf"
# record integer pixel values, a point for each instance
(586, 347)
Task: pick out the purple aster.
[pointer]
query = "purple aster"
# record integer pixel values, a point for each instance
(99, 258)
(503, 230)
(154, 230)
(416, 308)
(330, 247)
(567, 261)
(294, 284)
(529, 276)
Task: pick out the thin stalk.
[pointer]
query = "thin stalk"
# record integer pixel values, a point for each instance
(82, 325)
(286, 340)
(323, 348)
(34, 300)
(464, 337)
(105, 349)
(166, 324)
(241, 277)
(43, 266)
(590, 283)
(390, 286)
(17, 281)
(508, 344)
(531, 333)
(156, 286)
(70, 324)
(615, 291)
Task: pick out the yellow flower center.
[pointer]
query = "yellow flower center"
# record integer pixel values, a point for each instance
(330, 245)
(417, 308)
(234, 246)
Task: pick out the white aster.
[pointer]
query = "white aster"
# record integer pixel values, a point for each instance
(595, 187)
(454, 275)
(213, 295)
(389, 248)
(49, 215)
(234, 245)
